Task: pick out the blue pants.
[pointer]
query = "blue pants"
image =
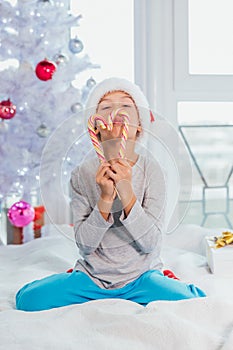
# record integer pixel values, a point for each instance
(76, 288)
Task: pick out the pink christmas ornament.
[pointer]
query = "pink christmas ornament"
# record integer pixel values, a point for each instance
(21, 214)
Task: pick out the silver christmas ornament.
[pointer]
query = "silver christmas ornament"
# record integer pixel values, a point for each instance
(45, 2)
(43, 130)
(3, 127)
(90, 82)
(76, 107)
(75, 45)
(61, 59)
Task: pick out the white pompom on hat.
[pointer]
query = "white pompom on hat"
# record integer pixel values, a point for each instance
(115, 84)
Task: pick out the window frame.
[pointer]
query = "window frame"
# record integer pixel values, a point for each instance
(183, 80)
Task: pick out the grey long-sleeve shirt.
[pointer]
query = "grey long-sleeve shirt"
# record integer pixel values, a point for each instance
(117, 251)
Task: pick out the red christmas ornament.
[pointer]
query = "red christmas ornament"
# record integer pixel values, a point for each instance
(45, 70)
(7, 109)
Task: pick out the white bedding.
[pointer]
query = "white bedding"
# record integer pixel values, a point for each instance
(200, 324)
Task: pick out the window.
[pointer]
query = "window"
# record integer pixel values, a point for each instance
(203, 45)
(107, 32)
(203, 85)
(210, 37)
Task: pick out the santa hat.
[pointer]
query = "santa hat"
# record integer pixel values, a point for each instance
(112, 84)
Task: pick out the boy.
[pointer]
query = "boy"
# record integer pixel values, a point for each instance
(118, 213)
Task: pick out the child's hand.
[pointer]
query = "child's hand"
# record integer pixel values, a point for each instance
(121, 173)
(120, 170)
(106, 184)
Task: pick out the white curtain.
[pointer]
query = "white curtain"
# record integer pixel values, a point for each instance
(148, 45)
(154, 73)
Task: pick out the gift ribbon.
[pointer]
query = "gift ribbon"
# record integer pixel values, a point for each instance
(225, 239)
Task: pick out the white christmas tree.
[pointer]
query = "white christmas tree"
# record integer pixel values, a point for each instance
(36, 91)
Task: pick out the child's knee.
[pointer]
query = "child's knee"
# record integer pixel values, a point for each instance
(21, 299)
(26, 299)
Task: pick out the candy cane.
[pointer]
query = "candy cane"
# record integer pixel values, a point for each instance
(125, 130)
(98, 119)
(92, 132)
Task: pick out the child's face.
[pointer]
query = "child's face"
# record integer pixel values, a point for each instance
(112, 101)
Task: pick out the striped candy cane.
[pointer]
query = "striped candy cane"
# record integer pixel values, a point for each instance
(92, 121)
(97, 119)
(125, 129)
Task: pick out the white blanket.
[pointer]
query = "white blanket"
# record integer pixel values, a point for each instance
(200, 324)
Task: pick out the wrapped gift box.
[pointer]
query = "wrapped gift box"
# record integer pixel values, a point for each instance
(220, 260)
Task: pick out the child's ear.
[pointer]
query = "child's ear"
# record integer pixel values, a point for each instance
(139, 128)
